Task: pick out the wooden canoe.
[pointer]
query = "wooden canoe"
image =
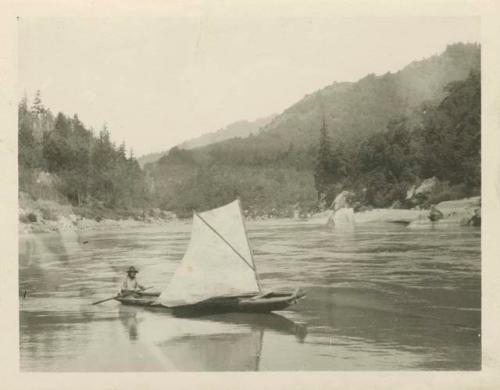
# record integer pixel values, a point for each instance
(263, 303)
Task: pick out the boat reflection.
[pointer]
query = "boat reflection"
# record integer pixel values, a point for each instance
(222, 342)
(272, 321)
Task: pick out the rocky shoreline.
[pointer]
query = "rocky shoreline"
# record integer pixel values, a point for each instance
(36, 218)
(455, 213)
(45, 216)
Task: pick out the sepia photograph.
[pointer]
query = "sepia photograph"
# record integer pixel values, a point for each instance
(249, 193)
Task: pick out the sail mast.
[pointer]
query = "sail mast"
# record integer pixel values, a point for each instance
(249, 246)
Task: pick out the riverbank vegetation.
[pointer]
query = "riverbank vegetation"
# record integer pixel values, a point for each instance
(61, 160)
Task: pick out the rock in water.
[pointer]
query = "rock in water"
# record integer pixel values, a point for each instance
(475, 220)
(435, 214)
(342, 219)
(461, 212)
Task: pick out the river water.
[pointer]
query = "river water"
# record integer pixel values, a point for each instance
(380, 297)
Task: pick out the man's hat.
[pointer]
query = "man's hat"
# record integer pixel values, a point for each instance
(132, 270)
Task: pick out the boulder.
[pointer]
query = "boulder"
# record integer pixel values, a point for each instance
(155, 213)
(410, 194)
(417, 194)
(435, 214)
(460, 204)
(427, 186)
(342, 200)
(461, 212)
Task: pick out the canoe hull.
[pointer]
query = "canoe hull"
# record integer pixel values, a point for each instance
(138, 299)
(247, 304)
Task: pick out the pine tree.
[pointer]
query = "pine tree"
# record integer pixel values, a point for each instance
(26, 138)
(23, 104)
(62, 126)
(323, 172)
(122, 150)
(38, 107)
(104, 136)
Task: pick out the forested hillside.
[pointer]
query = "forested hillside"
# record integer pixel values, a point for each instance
(62, 160)
(366, 125)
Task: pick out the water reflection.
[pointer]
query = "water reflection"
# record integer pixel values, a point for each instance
(130, 322)
(216, 352)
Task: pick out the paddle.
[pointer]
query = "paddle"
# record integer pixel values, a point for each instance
(116, 296)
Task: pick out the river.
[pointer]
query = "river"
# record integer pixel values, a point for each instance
(380, 297)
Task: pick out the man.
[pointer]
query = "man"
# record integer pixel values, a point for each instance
(131, 284)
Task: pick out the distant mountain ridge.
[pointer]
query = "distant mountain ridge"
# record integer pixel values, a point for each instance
(239, 129)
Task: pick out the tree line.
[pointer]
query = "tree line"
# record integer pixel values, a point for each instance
(61, 159)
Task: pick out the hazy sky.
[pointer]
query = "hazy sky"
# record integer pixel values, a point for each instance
(158, 81)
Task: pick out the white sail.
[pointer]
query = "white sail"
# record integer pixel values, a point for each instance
(218, 261)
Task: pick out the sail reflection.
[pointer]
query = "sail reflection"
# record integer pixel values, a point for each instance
(239, 351)
(216, 352)
(223, 342)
